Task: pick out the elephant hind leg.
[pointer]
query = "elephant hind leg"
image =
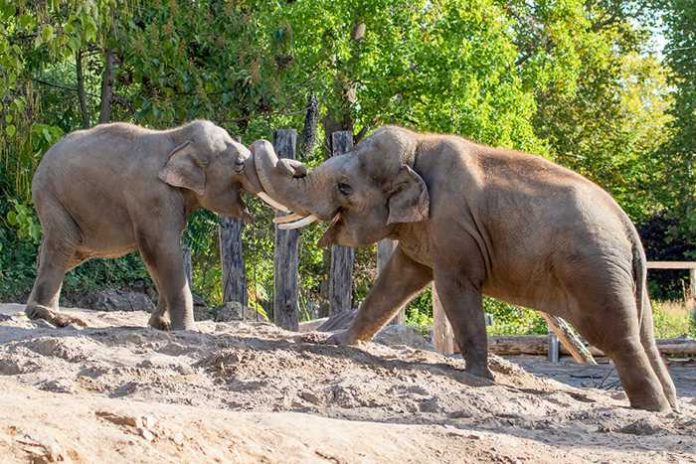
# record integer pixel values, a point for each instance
(54, 261)
(57, 254)
(648, 341)
(610, 324)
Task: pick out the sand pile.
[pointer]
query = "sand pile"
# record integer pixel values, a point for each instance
(249, 392)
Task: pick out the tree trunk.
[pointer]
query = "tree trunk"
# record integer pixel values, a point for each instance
(234, 286)
(309, 131)
(342, 258)
(107, 89)
(81, 96)
(286, 259)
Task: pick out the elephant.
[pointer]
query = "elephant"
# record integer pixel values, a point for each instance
(477, 220)
(115, 188)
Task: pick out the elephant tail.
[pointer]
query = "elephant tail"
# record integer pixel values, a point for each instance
(640, 280)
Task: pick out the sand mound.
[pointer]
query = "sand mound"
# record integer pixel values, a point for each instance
(249, 392)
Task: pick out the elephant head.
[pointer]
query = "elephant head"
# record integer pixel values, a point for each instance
(364, 193)
(205, 161)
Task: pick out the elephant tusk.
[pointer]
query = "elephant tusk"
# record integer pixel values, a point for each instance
(297, 224)
(271, 202)
(288, 218)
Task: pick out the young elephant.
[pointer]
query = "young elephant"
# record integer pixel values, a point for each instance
(480, 220)
(107, 191)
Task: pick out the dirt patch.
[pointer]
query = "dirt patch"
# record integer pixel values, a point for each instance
(249, 392)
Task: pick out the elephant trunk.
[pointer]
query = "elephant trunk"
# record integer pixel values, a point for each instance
(288, 187)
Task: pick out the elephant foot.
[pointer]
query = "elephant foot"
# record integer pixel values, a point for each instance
(479, 371)
(55, 318)
(655, 404)
(342, 338)
(185, 327)
(159, 322)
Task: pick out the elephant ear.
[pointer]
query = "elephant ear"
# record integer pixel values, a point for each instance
(184, 169)
(409, 200)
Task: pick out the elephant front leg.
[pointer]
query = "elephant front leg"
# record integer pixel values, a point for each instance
(462, 302)
(400, 280)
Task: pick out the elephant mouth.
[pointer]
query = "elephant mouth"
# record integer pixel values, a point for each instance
(329, 237)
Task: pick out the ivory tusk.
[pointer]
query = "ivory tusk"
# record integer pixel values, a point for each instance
(297, 224)
(288, 218)
(271, 202)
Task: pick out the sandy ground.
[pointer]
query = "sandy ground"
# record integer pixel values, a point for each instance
(249, 392)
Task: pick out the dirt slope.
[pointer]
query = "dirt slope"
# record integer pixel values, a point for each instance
(240, 392)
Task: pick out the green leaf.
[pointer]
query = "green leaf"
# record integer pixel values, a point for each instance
(11, 130)
(47, 33)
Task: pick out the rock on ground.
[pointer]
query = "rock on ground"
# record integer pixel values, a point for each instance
(116, 300)
(250, 392)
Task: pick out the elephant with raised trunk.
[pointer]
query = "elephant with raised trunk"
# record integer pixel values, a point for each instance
(481, 221)
(115, 188)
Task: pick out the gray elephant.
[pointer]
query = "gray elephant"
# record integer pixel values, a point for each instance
(478, 220)
(115, 188)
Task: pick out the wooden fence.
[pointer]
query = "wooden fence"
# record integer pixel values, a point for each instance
(340, 283)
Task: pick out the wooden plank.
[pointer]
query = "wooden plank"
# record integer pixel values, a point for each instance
(342, 258)
(443, 337)
(286, 257)
(569, 339)
(385, 248)
(671, 264)
(234, 286)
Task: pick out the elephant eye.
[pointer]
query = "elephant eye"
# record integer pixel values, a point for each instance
(345, 189)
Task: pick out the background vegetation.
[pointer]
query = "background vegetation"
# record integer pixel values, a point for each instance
(605, 87)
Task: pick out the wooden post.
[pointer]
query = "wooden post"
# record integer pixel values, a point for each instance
(443, 337)
(188, 266)
(385, 248)
(285, 259)
(692, 289)
(233, 278)
(342, 258)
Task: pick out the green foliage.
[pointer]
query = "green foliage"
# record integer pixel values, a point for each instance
(513, 320)
(672, 320)
(677, 155)
(22, 218)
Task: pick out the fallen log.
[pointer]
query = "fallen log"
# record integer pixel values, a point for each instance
(537, 345)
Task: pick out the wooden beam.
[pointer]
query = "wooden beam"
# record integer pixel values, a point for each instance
(285, 257)
(537, 345)
(671, 264)
(569, 339)
(342, 258)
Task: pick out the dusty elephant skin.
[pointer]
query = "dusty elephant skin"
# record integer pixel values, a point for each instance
(478, 220)
(107, 191)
